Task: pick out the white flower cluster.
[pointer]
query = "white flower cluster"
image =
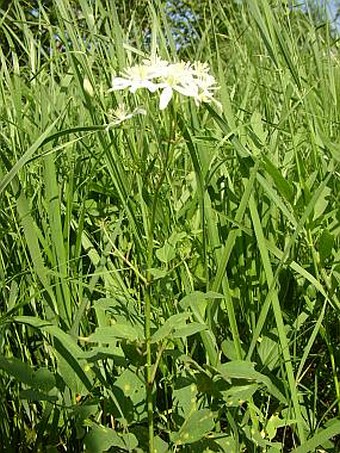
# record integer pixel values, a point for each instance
(189, 79)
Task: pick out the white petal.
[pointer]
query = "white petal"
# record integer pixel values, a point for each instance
(152, 87)
(187, 90)
(136, 84)
(139, 111)
(118, 83)
(165, 98)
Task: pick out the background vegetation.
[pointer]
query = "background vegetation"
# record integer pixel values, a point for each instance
(172, 283)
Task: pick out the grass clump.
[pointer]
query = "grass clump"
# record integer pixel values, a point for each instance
(169, 278)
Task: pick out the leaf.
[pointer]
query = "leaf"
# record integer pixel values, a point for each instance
(326, 243)
(283, 185)
(322, 202)
(189, 329)
(158, 273)
(169, 326)
(257, 126)
(275, 450)
(115, 353)
(176, 327)
(41, 379)
(32, 241)
(273, 424)
(34, 395)
(176, 237)
(227, 443)
(132, 386)
(319, 438)
(324, 142)
(229, 350)
(166, 253)
(195, 427)
(118, 331)
(25, 157)
(160, 445)
(75, 373)
(185, 396)
(242, 369)
(238, 369)
(197, 302)
(100, 439)
(238, 394)
(269, 351)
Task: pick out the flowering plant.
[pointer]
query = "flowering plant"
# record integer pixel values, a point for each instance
(188, 79)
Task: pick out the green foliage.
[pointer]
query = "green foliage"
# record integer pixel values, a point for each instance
(171, 282)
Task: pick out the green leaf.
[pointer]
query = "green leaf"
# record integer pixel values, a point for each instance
(41, 379)
(326, 243)
(227, 443)
(26, 156)
(195, 427)
(275, 450)
(101, 352)
(334, 148)
(197, 302)
(166, 253)
(257, 126)
(230, 351)
(273, 424)
(157, 273)
(185, 396)
(132, 386)
(189, 329)
(319, 438)
(160, 445)
(32, 241)
(282, 184)
(100, 439)
(242, 369)
(322, 202)
(176, 327)
(269, 350)
(75, 373)
(118, 331)
(238, 394)
(35, 395)
(170, 325)
(238, 369)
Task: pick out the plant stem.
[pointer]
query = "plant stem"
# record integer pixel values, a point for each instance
(150, 372)
(148, 377)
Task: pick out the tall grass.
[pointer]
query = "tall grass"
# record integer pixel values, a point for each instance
(171, 283)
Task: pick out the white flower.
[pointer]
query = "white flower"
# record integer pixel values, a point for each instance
(191, 80)
(205, 82)
(177, 77)
(156, 67)
(120, 114)
(136, 77)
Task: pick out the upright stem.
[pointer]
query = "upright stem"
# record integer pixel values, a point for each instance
(150, 369)
(148, 376)
(148, 228)
(147, 326)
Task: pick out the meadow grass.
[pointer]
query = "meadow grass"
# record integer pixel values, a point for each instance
(169, 283)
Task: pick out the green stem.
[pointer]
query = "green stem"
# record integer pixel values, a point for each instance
(149, 377)
(150, 373)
